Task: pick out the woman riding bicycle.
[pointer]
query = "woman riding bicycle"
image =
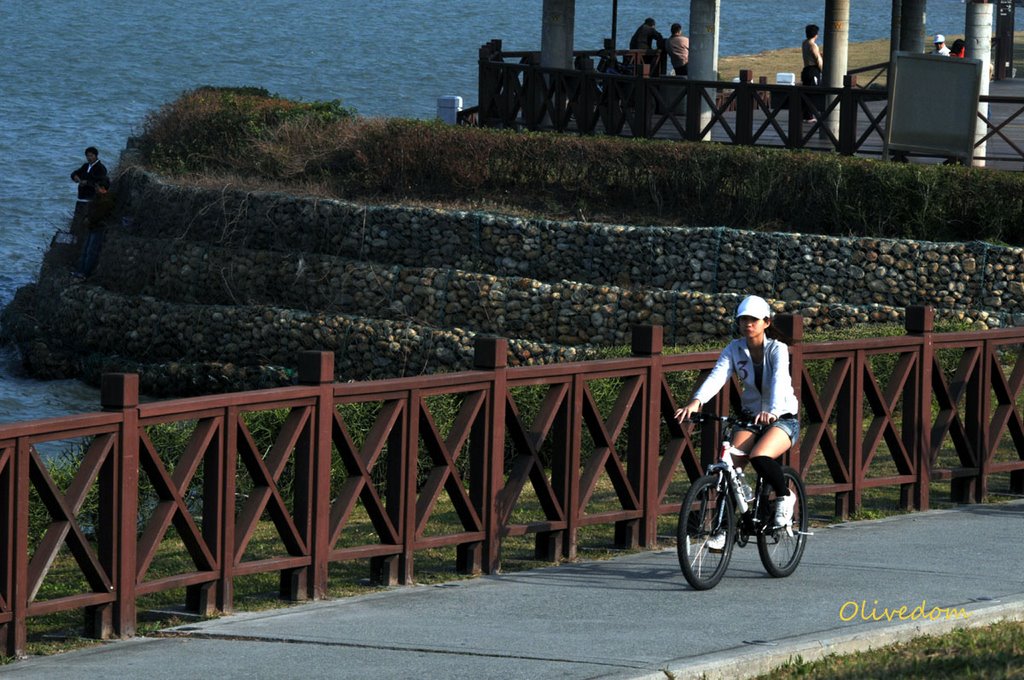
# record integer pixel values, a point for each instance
(761, 361)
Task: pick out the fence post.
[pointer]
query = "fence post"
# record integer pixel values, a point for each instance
(848, 117)
(488, 81)
(917, 410)
(568, 479)
(974, 417)
(488, 459)
(745, 94)
(315, 369)
(641, 106)
(9, 563)
(792, 327)
(585, 103)
(989, 362)
(853, 437)
(694, 99)
(117, 530)
(796, 117)
(643, 465)
(16, 637)
(533, 97)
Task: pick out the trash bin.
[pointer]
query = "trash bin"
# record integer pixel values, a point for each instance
(448, 108)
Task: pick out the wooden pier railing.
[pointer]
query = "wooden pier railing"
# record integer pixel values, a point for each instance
(515, 91)
(373, 471)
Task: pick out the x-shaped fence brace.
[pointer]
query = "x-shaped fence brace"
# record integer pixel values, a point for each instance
(64, 526)
(527, 464)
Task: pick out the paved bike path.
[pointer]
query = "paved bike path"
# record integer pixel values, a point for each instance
(630, 617)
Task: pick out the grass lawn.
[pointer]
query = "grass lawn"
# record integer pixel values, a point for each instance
(993, 651)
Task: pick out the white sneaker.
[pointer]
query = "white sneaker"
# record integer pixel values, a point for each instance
(717, 542)
(784, 510)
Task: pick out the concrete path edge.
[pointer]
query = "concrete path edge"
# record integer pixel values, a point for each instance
(753, 660)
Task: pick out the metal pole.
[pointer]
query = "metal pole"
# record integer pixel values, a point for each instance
(703, 63)
(979, 46)
(1004, 39)
(615, 21)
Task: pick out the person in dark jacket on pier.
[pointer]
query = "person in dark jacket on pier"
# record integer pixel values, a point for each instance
(647, 37)
(90, 177)
(93, 182)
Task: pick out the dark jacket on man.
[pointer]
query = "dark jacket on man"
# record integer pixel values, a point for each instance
(646, 37)
(89, 178)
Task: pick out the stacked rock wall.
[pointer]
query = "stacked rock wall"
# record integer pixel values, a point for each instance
(561, 312)
(203, 289)
(808, 269)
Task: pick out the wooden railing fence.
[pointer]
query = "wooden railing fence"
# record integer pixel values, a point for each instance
(515, 91)
(595, 445)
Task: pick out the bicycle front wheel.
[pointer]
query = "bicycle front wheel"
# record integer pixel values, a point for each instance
(781, 548)
(705, 533)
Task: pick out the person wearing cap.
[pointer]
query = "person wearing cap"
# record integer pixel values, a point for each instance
(760, 360)
(940, 45)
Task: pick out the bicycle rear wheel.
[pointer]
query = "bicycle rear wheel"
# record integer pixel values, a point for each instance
(706, 511)
(781, 549)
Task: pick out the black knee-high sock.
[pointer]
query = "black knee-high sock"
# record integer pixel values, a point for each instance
(771, 470)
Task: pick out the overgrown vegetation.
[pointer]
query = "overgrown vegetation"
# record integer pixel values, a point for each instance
(209, 129)
(253, 137)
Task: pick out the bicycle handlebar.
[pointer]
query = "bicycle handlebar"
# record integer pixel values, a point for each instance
(742, 421)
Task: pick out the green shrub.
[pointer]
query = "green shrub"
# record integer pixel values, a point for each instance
(247, 132)
(207, 128)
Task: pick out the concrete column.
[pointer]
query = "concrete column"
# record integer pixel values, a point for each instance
(896, 20)
(556, 33)
(979, 46)
(703, 64)
(836, 56)
(912, 26)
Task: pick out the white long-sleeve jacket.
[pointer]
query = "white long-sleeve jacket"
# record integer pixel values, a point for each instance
(777, 397)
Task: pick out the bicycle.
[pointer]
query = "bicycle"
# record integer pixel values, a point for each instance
(721, 501)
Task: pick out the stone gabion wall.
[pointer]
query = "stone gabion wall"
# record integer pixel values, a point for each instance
(154, 330)
(204, 290)
(790, 267)
(560, 312)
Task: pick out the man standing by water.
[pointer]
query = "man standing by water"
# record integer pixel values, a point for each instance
(678, 46)
(91, 176)
(940, 45)
(811, 74)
